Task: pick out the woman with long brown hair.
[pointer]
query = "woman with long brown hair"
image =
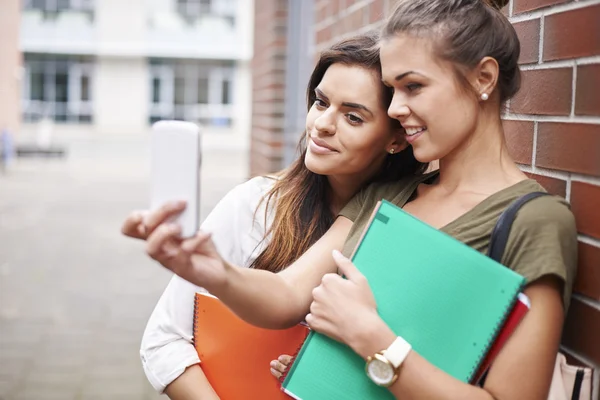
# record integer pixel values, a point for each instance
(268, 222)
(452, 65)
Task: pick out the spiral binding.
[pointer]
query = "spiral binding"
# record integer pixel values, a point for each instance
(195, 322)
(493, 335)
(293, 359)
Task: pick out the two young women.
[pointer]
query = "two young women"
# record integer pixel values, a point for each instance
(268, 222)
(452, 64)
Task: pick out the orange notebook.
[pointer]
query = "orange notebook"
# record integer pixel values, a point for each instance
(235, 355)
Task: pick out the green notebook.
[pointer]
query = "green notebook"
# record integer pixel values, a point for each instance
(446, 299)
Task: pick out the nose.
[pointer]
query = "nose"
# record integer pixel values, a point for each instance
(325, 123)
(398, 109)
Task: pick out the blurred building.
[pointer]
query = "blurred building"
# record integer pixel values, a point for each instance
(10, 67)
(116, 66)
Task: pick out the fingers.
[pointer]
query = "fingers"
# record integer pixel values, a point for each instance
(279, 366)
(285, 359)
(153, 219)
(347, 268)
(201, 239)
(160, 244)
(133, 225)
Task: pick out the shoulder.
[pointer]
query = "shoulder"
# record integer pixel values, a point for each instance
(242, 200)
(546, 212)
(543, 241)
(257, 186)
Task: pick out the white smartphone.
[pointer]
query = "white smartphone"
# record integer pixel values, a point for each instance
(175, 170)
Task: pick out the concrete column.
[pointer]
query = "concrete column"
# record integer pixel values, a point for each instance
(10, 66)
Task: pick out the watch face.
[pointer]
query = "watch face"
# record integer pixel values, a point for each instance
(380, 372)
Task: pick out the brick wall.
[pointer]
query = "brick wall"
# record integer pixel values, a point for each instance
(268, 77)
(553, 128)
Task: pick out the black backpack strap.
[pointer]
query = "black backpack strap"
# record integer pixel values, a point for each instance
(499, 236)
(577, 385)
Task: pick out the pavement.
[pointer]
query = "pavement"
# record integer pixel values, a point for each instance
(75, 295)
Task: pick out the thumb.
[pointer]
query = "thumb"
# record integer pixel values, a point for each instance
(346, 267)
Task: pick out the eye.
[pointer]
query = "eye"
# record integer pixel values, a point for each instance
(320, 103)
(354, 119)
(413, 86)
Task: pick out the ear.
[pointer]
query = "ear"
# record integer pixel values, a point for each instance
(484, 77)
(398, 141)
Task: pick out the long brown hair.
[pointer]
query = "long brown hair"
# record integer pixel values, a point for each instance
(302, 212)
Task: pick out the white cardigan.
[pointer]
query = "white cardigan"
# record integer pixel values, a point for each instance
(238, 233)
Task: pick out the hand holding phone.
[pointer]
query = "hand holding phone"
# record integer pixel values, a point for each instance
(175, 171)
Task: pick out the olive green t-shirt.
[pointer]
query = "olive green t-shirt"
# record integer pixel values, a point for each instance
(542, 241)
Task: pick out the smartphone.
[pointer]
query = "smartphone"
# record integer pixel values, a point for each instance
(175, 170)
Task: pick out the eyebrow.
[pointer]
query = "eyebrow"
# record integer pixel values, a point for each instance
(404, 75)
(344, 104)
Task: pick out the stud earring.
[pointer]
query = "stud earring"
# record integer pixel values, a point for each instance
(484, 96)
(392, 151)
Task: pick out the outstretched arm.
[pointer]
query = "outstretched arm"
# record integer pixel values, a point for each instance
(260, 297)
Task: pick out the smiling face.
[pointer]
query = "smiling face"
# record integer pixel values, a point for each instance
(439, 115)
(348, 130)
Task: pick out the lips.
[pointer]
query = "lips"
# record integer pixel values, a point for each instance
(322, 144)
(411, 131)
(414, 132)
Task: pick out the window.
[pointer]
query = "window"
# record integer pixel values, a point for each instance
(225, 92)
(85, 88)
(202, 91)
(197, 91)
(51, 8)
(193, 9)
(58, 87)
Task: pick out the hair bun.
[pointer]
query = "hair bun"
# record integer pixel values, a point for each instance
(497, 4)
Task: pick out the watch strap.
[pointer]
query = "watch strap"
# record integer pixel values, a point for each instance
(397, 352)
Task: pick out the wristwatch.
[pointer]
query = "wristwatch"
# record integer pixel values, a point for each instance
(382, 368)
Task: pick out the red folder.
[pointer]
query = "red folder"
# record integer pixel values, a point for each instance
(522, 305)
(235, 355)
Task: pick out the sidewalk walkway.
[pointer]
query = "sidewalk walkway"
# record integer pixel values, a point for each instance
(74, 294)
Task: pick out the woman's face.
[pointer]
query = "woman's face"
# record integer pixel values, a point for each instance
(348, 131)
(439, 115)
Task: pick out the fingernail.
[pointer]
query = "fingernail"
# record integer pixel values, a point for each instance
(337, 254)
(178, 204)
(273, 364)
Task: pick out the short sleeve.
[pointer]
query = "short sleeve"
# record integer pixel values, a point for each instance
(543, 241)
(352, 209)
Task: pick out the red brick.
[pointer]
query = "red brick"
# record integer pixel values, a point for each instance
(582, 330)
(519, 139)
(323, 12)
(587, 92)
(337, 6)
(588, 271)
(267, 93)
(585, 199)
(572, 34)
(376, 11)
(569, 147)
(555, 186)
(520, 6)
(324, 35)
(354, 21)
(529, 36)
(538, 96)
